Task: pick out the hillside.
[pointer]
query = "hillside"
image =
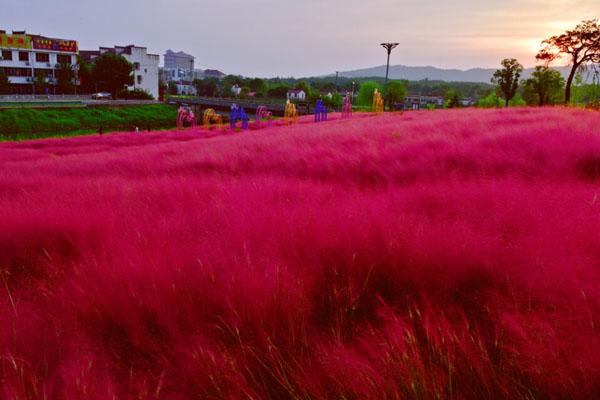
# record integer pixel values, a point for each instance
(432, 73)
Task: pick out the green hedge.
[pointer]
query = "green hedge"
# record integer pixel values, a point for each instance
(25, 123)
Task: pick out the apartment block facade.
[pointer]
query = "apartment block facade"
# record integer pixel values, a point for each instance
(24, 57)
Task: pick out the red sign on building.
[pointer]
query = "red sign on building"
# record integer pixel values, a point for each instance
(69, 46)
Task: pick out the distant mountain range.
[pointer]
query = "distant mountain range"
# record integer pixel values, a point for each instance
(432, 73)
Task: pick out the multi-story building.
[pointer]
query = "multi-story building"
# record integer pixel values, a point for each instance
(179, 60)
(145, 66)
(24, 57)
(179, 71)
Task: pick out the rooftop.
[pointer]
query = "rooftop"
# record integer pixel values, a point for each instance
(115, 50)
(179, 53)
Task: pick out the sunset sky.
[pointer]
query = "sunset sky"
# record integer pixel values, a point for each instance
(308, 37)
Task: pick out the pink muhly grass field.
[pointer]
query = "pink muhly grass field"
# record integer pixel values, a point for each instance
(450, 254)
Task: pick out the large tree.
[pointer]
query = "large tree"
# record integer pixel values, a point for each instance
(112, 73)
(366, 91)
(544, 86)
(86, 76)
(208, 87)
(257, 85)
(303, 85)
(452, 99)
(580, 45)
(507, 79)
(64, 79)
(278, 92)
(395, 92)
(5, 87)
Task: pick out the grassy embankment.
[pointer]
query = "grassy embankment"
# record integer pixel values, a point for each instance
(27, 123)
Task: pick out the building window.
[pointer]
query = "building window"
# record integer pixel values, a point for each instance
(42, 57)
(139, 79)
(7, 55)
(16, 71)
(137, 66)
(63, 59)
(23, 56)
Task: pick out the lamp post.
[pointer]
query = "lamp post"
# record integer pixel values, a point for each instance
(389, 47)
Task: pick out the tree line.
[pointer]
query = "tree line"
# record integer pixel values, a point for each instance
(579, 46)
(320, 87)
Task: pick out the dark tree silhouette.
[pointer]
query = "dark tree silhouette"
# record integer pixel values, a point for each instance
(581, 45)
(5, 87)
(208, 87)
(112, 73)
(65, 76)
(507, 79)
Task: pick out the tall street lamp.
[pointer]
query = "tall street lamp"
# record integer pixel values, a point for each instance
(389, 47)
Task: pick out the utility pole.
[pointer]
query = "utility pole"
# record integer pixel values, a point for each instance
(389, 47)
(336, 81)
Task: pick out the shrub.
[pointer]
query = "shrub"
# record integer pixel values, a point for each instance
(365, 92)
(136, 94)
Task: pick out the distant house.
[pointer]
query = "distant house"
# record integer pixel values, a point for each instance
(236, 89)
(468, 102)
(296, 95)
(416, 102)
(186, 88)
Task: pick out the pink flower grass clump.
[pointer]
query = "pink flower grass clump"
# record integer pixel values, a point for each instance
(451, 254)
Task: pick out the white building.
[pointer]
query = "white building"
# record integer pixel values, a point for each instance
(417, 101)
(145, 66)
(236, 89)
(296, 95)
(179, 70)
(178, 75)
(23, 57)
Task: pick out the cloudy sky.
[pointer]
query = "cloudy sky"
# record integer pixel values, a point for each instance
(308, 37)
